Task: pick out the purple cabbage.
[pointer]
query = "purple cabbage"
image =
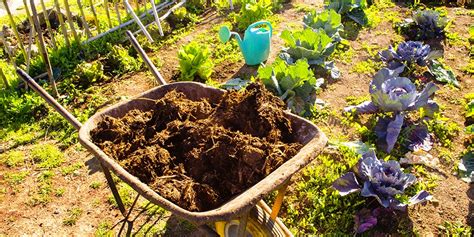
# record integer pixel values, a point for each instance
(407, 54)
(398, 95)
(430, 24)
(382, 180)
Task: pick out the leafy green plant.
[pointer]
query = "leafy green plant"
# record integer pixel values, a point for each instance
(119, 62)
(327, 20)
(354, 9)
(195, 62)
(295, 84)
(314, 45)
(454, 229)
(73, 216)
(253, 11)
(86, 73)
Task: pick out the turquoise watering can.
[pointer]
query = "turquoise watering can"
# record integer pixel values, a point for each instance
(256, 44)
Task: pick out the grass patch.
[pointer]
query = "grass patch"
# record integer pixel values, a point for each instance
(18, 177)
(317, 208)
(13, 158)
(73, 216)
(454, 229)
(70, 169)
(444, 129)
(104, 230)
(47, 156)
(368, 66)
(95, 184)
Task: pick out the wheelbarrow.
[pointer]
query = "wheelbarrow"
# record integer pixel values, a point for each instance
(245, 214)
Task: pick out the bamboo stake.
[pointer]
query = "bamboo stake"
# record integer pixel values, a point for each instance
(15, 31)
(118, 13)
(71, 23)
(30, 42)
(4, 78)
(43, 50)
(61, 21)
(106, 5)
(48, 24)
(83, 18)
(31, 36)
(95, 16)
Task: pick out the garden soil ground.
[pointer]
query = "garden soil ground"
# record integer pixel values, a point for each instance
(453, 199)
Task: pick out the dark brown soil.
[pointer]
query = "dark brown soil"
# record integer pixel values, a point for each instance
(199, 155)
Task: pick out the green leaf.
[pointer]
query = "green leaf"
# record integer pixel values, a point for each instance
(470, 129)
(442, 74)
(470, 110)
(466, 167)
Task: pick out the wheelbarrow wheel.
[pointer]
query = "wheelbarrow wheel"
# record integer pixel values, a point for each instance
(259, 224)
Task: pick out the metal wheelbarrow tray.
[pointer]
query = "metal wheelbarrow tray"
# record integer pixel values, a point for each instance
(307, 134)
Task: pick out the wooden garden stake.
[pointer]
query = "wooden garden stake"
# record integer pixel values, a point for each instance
(106, 5)
(31, 39)
(15, 31)
(83, 18)
(43, 50)
(4, 78)
(118, 13)
(95, 16)
(61, 21)
(48, 24)
(71, 23)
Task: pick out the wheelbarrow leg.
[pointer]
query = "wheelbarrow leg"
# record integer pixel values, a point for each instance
(279, 201)
(113, 188)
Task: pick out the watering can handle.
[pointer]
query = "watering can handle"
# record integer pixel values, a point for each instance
(261, 23)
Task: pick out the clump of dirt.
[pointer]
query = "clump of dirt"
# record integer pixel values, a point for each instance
(199, 155)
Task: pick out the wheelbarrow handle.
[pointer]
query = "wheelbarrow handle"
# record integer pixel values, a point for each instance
(146, 59)
(51, 101)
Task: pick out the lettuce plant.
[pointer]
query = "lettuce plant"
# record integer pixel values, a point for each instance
(327, 20)
(295, 84)
(395, 96)
(382, 180)
(354, 9)
(414, 53)
(253, 11)
(194, 61)
(314, 45)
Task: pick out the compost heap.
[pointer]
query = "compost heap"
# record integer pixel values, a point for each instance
(200, 155)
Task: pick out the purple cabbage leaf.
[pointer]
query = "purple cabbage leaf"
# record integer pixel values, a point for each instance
(382, 180)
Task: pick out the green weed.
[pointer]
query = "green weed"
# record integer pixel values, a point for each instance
(95, 184)
(316, 207)
(18, 177)
(444, 129)
(368, 66)
(455, 229)
(73, 216)
(71, 168)
(13, 158)
(47, 156)
(104, 230)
